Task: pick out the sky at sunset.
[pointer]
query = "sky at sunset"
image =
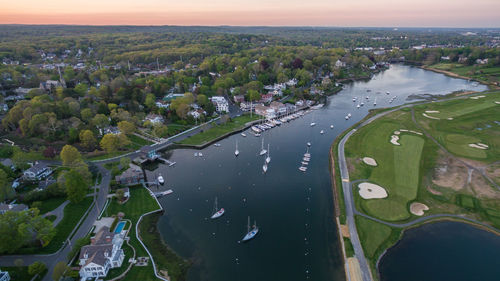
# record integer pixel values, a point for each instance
(419, 13)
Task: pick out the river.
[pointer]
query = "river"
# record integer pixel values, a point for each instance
(294, 210)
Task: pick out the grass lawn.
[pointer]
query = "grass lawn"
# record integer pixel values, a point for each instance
(349, 250)
(50, 204)
(21, 273)
(219, 130)
(138, 140)
(72, 214)
(478, 72)
(165, 258)
(474, 121)
(140, 202)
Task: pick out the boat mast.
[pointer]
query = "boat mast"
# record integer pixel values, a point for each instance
(248, 226)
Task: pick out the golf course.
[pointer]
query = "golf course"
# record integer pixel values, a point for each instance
(422, 163)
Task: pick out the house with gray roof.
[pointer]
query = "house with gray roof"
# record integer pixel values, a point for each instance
(131, 176)
(12, 208)
(103, 253)
(37, 172)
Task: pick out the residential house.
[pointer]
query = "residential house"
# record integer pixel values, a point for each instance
(267, 98)
(4, 276)
(50, 85)
(37, 172)
(131, 176)
(154, 118)
(265, 111)
(445, 58)
(4, 107)
(480, 61)
(221, 104)
(103, 253)
(339, 64)
(110, 130)
(12, 208)
(172, 96)
(278, 107)
(239, 98)
(162, 104)
(292, 82)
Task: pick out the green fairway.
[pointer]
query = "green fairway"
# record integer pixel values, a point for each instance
(373, 233)
(213, 133)
(398, 169)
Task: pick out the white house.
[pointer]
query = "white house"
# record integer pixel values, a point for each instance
(38, 172)
(154, 118)
(221, 104)
(292, 82)
(339, 64)
(103, 253)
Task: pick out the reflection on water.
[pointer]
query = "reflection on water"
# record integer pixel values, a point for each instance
(297, 237)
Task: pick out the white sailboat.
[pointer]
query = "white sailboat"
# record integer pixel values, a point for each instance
(217, 212)
(262, 149)
(331, 126)
(375, 102)
(236, 152)
(268, 158)
(243, 135)
(250, 233)
(264, 167)
(312, 121)
(322, 132)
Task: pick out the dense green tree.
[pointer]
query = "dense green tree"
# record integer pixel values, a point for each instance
(76, 187)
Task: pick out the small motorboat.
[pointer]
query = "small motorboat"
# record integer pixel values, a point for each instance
(302, 168)
(322, 132)
(313, 124)
(308, 144)
(331, 126)
(161, 180)
(217, 145)
(243, 135)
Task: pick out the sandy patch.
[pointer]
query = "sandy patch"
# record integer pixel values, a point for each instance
(482, 188)
(354, 269)
(430, 117)
(369, 161)
(435, 192)
(415, 132)
(479, 145)
(432, 111)
(497, 102)
(371, 191)
(345, 230)
(394, 140)
(449, 118)
(403, 130)
(397, 132)
(418, 208)
(477, 97)
(449, 173)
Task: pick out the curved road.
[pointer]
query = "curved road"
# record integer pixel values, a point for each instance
(51, 260)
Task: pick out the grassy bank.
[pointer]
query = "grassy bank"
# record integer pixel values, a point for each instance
(141, 202)
(165, 258)
(217, 131)
(482, 73)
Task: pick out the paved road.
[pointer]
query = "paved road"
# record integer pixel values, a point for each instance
(61, 255)
(59, 212)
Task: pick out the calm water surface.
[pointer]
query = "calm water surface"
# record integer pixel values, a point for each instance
(443, 251)
(294, 210)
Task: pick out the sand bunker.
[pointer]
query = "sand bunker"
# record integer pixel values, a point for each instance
(370, 161)
(431, 111)
(397, 132)
(418, 133)
(479, 145)
(449, 118)
(394, 140)
(497, 102)
(371, 191)
(477, 97)
(418, 208)
(403, 130)
(430, 117)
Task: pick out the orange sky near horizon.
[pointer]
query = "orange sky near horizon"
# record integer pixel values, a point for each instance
(423, 13)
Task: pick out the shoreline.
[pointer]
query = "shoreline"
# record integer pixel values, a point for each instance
(454, 75)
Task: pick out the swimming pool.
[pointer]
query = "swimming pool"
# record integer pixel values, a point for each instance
(120, 227)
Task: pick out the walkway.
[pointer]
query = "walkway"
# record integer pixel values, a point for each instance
(58, 212)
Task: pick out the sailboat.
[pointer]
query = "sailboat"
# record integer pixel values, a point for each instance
(375, 102)
(250, 233)
(243, 135)
(268, 158)
(217, 213)
(236, 152)
(264, 167)
(322, 132)
(331, 126)
(262, 150)
(312, 119)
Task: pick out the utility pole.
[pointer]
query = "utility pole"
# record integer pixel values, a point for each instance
(157, 64)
